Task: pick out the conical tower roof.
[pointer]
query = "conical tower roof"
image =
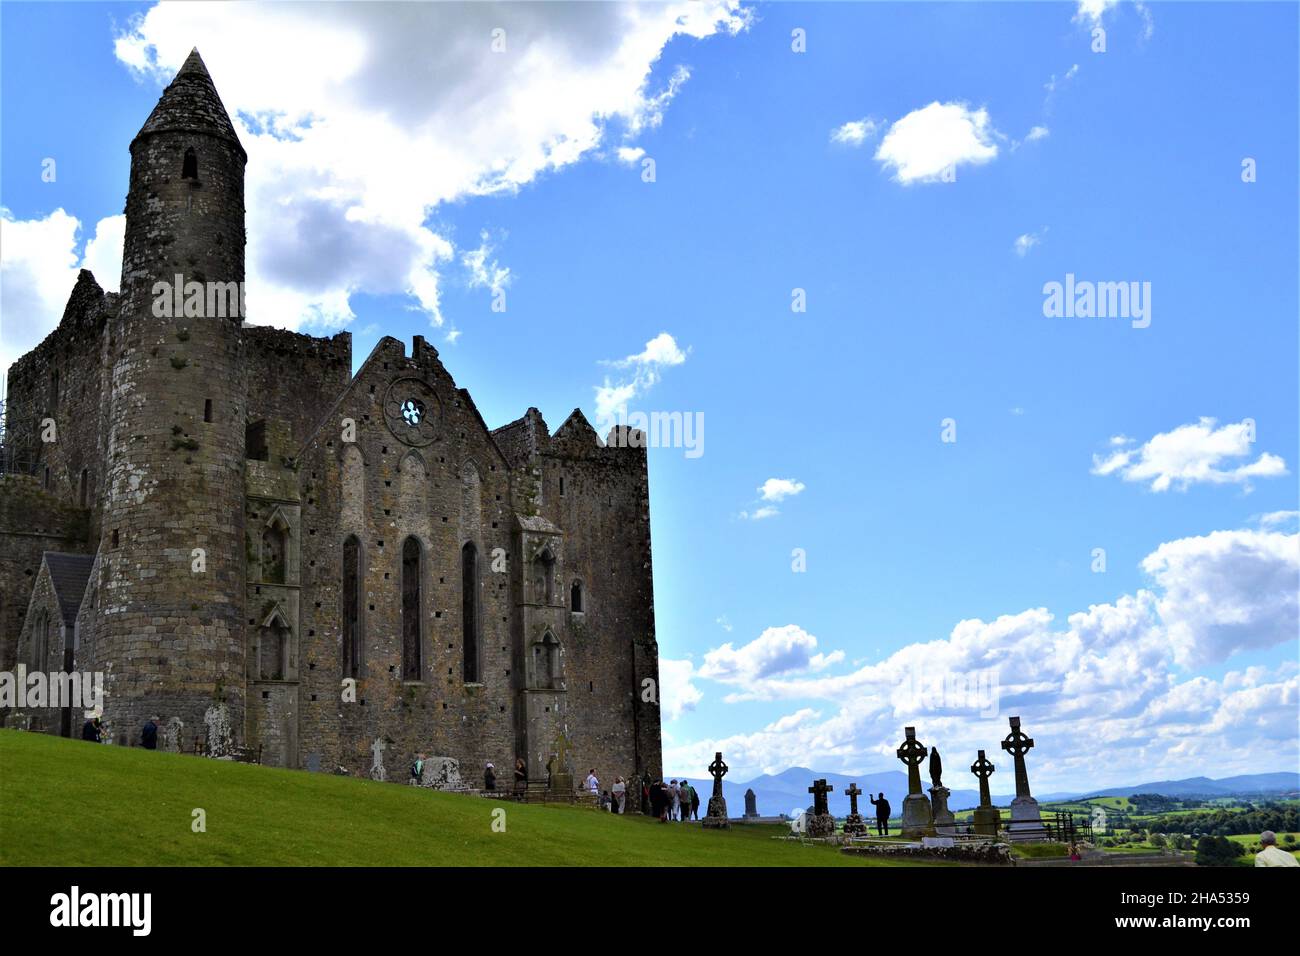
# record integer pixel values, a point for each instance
(191, 104)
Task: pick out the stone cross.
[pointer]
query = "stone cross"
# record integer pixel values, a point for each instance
(912, 753)
(853, 793)
(983, 768)
(819, 789)
(377, 771)
(1017, 744)
(719, 770)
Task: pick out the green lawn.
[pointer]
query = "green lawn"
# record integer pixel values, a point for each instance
(69, 803)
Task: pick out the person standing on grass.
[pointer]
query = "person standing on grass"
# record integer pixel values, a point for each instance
(620, 794)
(149, 735)
(687, 793)
(417, 771)
(882, 815)
(695, 804)
(1269, 853)
(593, 783)
(93, 731)
(489, 777)
(521, 774)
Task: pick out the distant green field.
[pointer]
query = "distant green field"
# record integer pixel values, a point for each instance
(69, 803)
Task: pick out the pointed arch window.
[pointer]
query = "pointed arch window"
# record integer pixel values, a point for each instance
(470, 612)
(411, 607)
(275, 552)
(190, 166)
(353, 575)
(85, 487)
(575, 597)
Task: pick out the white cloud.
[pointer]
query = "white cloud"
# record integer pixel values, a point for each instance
(1109, 687)
(1053, 84)
(1192, 454)
(1092, 13)
(1275, 518)
(857, 132)
(927, 141)
(485, 273)
(678, 694)
(1228, 591)
(758, 514)
(1037, 133)
(778, 650)
(612, 398)
(630, 154)
(38, 268)
(778, 489)
(723, 623)
(1027, 241)
(361, 119)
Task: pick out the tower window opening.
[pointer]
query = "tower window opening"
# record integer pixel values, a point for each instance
(85, 483)
(207, 410)
(190, 168)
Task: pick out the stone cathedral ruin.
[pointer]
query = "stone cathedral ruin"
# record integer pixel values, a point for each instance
(236, 530)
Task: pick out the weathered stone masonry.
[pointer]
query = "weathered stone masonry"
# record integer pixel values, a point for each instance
(264, 526)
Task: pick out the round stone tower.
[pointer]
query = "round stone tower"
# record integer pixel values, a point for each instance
(169, 628)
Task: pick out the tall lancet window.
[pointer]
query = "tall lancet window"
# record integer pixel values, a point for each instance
(352, 576)
(190, 168)
(469, 611)
(411, 605)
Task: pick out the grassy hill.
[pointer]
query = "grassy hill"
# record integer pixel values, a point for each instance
(69, 803)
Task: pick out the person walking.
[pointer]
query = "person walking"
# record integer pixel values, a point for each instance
(417, 771)
(149, 734)
(674, 800)
(1270, 854)
(93, 731)
(882, 814)
(489, 777)
(620, 794)
(688, 796)
(521, 774)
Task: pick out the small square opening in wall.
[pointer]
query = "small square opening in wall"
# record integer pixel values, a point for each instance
(437, 614)
(387, 575)
(444, 519)
(313, 696)
(444, 705)
(266, 694)
(311, 633)
(115, 537)
(372, 607)
(548, 710)
(503, 708)
(392, 669)
(318, 604)
(494, 524)
(385, 449)
(442, 580)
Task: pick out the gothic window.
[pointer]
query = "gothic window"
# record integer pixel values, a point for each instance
(544, 577)
(411, 606)
(575, 597)
(207, 410)
(273, 663)
(547, 673)
(275, 541)
(40, 642)
(413, 411)
(190, 167)
(352, 578)
(469, 611)
(354, 489)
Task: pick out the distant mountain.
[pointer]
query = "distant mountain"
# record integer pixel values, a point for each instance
(787, 791)
(1252, 784)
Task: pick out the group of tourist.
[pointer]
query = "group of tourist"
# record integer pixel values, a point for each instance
(673, 801)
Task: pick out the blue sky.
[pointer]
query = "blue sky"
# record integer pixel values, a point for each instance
(1123, 165)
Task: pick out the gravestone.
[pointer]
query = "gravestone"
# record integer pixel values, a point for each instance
(986, 816)
(442, 773)
(820, 823)
(173, 730)
(377, 770)
(751, 804)
(944, 822)
(918, 819)
(1025, 817)
(716, 818)
(853, 823)
(217, 719)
